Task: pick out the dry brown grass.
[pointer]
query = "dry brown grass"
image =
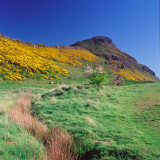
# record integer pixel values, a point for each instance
(58, 142)
(21, 115)
(60, 146)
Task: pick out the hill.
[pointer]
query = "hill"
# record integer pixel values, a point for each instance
(20, 60)
(120, 62)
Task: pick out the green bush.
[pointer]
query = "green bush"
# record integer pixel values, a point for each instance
(97, 78)
(95, 75)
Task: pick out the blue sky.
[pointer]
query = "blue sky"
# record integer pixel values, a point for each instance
(133, 25)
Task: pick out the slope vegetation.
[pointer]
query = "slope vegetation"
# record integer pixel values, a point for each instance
(19, 60)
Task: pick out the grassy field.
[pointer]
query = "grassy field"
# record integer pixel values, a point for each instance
(108, 122)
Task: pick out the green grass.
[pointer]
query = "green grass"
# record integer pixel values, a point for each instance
(106, 114)
(125, 117)
(16, 143)
(130, 82)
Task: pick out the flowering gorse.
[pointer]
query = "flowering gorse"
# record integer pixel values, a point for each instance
(133, 75)
(19, 60)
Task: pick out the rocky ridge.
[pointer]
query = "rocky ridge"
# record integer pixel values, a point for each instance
(104, 47)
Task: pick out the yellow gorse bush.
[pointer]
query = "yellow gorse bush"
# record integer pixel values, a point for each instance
(19, 60)
(133, 75)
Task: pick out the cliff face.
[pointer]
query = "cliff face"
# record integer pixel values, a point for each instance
(146, 69)
(105, 48)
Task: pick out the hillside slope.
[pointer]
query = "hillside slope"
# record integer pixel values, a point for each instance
(121, 63)
(19, 60)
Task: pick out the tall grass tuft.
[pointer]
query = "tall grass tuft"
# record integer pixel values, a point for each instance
(21, 115)
(60, 146)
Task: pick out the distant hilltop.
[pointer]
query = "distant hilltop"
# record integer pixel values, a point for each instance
(104, 47)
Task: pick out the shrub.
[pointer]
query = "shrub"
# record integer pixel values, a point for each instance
(96, 76)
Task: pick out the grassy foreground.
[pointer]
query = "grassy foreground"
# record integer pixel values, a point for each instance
(15, 142)
(106, 123)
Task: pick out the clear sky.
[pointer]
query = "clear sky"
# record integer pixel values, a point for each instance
(133, 25)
